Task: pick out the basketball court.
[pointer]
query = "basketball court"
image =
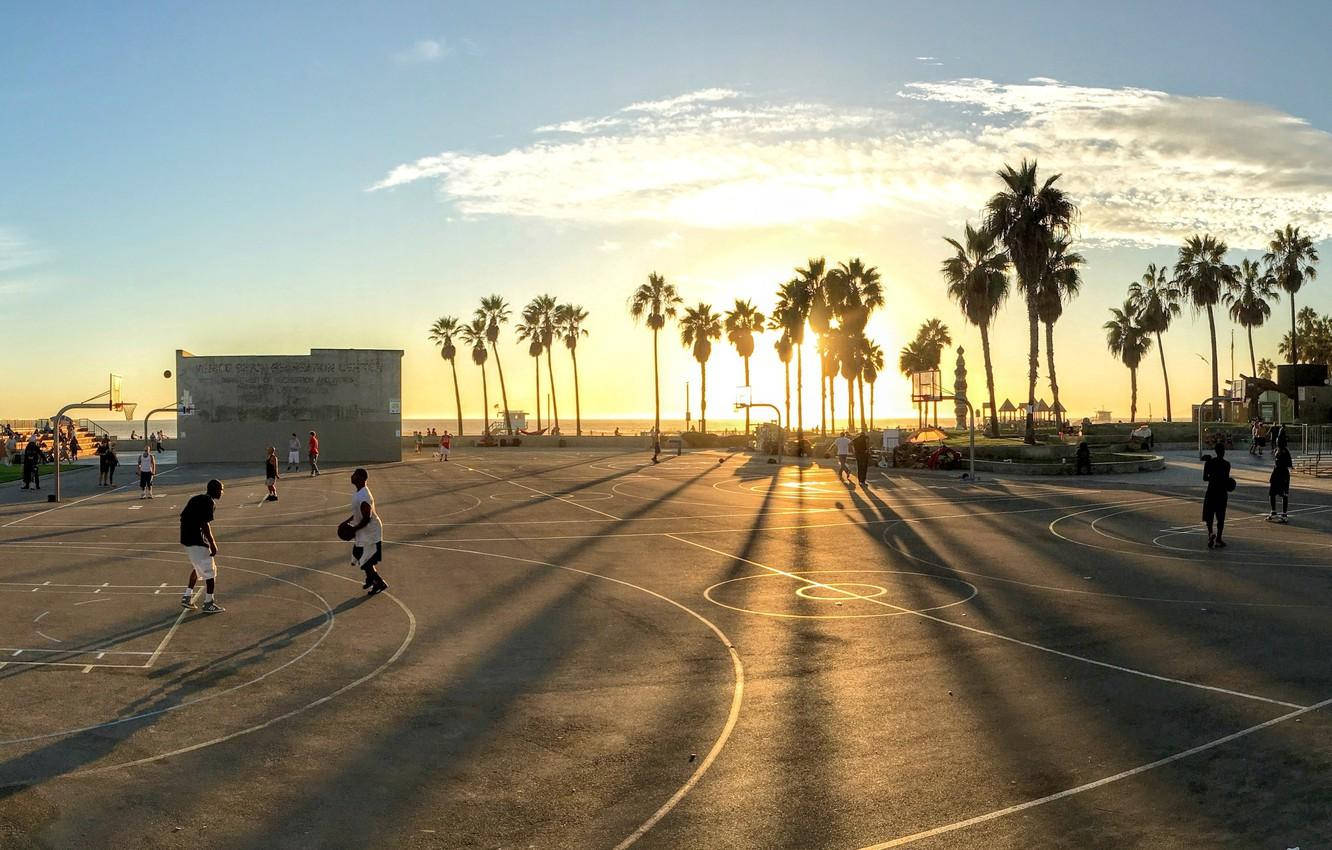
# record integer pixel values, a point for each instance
(583, 649)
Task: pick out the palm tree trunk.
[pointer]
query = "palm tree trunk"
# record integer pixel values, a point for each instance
(1216, 383)
(485, 401)
(832, 405)
(578, 402)
(1166, 377)
(1033, 357)
(554, 401)
(504, 393)
(1049, 357)
(457, 396)
(787, 418)
(1294, 350)
(656, 390)
(536, 361)
(823, 401)
(860, 390)
(1133, 394)
(872, 404)
(800, 399)
(703, 399)
(1253, 363)
(993, 425)
(850, 403)
(751, 390)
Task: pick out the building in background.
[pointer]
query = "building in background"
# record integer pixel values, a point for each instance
(244, 404)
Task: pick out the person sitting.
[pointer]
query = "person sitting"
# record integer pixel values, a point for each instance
(1082, 459)
(1142, 435)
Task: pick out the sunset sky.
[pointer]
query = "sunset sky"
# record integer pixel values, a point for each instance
(266, 178)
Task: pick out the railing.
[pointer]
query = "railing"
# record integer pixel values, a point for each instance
(93, 428)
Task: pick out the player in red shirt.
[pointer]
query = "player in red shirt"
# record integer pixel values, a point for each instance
(313, 451)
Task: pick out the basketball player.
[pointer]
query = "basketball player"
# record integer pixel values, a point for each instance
(196, 535)
(367, 546)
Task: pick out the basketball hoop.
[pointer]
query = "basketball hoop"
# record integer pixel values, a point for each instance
(114, 398)
(128, 409)
(925, 386)
(744, 397)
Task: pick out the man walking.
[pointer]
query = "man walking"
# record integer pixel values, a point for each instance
(196, 535)
(367, 545)
(32, 463)
(860, 445)
(312, 451)
(842, 447)
(147, 469)
(293, 453)
(1216, 472)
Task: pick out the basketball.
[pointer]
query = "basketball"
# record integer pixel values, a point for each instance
(1230, 484)
(345, 530)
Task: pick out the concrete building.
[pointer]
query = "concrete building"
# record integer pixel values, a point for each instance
(243, 404)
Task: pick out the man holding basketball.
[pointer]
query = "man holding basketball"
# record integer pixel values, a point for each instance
(196, 535)
(367, 533)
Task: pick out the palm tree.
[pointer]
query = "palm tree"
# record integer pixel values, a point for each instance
(442, 332)
(914, 357)
(1060, 283)
(569, 320)
(829, 363)
(1156, 303)
(852, 351)
(529, 331)
(495, 310)
(784, 351)
(934, 337)
(1249, 302)
(1290, 259)
(658, 301)
(1202, 274)
(1128, 341)
(855, 291)
(813, 279)
(541, 310)
(475, 336)
(1265, 369)
(870, 370)
(742, 323)
(699, 326)
(977, 277)
(1027, 216)
(790, 316)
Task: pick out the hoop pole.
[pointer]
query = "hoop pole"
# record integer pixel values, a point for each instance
(971, 438)
(780, 432)
(1201, 405)
(55, 433)
(162, 409)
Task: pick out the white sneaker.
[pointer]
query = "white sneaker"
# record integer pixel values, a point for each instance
(1272, 517)
(1285, 518)
(186, 602)
(212, 608)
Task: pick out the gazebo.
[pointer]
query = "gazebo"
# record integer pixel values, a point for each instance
(1042, 411)
(1060, 413)
(1007, 412)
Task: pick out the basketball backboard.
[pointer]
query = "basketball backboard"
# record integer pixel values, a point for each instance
(925, 386)
(744, 397)
(115, 399)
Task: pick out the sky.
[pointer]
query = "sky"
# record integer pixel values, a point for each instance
(238, 177)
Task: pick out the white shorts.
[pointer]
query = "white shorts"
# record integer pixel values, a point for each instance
(293, 457)
(202, 561)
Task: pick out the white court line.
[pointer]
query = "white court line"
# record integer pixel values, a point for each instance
(75, 502)
(543, 493)
(167, 638)
(1069, 792)
(1082, 658)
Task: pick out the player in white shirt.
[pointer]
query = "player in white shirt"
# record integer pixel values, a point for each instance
(842, 447)
(293, 453)
(367, 545)
(147, 469)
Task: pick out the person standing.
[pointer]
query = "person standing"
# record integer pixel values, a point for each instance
(32, 464)
(112, 461)
(1082, 459)
(271, 474)
(99, 449)
(445, 444)
(147, 470)
(312, 452)
(1279, 483)
(419, 440)
(196, 535)
(293, 453)
(1216, 472)
(842, 447)
(367, 545)
(860, 445)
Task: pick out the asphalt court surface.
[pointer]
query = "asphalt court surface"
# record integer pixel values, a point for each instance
(583, 649)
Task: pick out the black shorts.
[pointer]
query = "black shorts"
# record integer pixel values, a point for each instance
(375, 558)
(1214, 507)
(145, 479)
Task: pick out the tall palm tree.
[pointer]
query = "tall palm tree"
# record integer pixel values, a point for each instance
(542, 310)
(699, 326)
(529, 331)
(977, 278)
(871, 370)
(1128, 341)
(855, 291)
(442, 332)
(495, 310)
(1156, 303)
(784, 351)
(819, 312)
(1249, 302)
(1060, 283)
(474, 334)
(850, 359)
(790, 316)
(1026, 217)
(742, 323)
(1202, 274)
(569, 320)
(1290, 258)
(1265, 369)
(934, 337)
(658, 301)
(830, 364)
(914, 357)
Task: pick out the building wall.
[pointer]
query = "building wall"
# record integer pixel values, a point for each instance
(245, 404)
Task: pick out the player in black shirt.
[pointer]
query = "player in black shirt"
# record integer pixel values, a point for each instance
(196, 535)
(271, 474)
(1216, 472)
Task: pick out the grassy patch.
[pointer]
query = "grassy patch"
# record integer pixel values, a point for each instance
(14, 473)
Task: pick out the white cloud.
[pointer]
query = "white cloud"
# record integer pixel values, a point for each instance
(1147, 167)
(17, 252)
(426, 50)
(668, 241)
(610, 246)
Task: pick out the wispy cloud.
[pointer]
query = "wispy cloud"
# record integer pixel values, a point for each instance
(929, 60)
(610, 246)
(1147, 166)
(426, 50)
(17, 256)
